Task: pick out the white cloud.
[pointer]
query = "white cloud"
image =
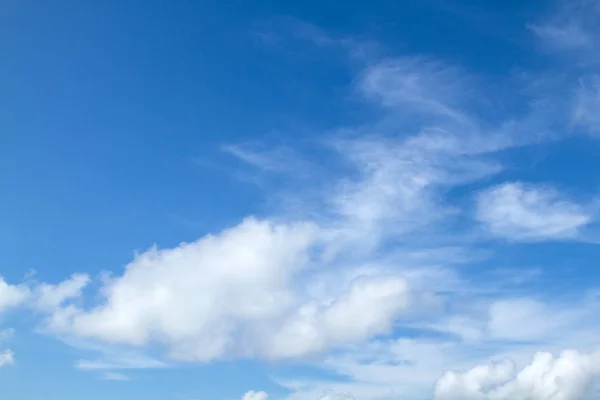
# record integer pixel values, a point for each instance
(232, 294)
(368, 308)
(252, 395)
(196, 297)
(49, 297)
(6, 358)
(566, 377)
(414, 85)
(525, 212)
(11, 295)
(397, 186)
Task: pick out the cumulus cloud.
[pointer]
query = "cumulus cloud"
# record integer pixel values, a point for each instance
(566, 377)
(252, 395)
(529, 213)
(231, 294)
(368, 308)
(197, 296)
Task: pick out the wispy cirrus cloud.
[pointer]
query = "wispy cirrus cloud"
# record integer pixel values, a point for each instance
(413, 85)
(571, 29)
(571, 32)
(518, 211)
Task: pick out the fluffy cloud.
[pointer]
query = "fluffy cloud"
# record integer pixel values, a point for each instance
(529, 213)
(368, 308)
(566, 377)
(252, 395)
(230, 294)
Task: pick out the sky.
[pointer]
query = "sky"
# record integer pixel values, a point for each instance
(285, 200)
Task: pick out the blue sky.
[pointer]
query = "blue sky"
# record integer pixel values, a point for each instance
(379, 200)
